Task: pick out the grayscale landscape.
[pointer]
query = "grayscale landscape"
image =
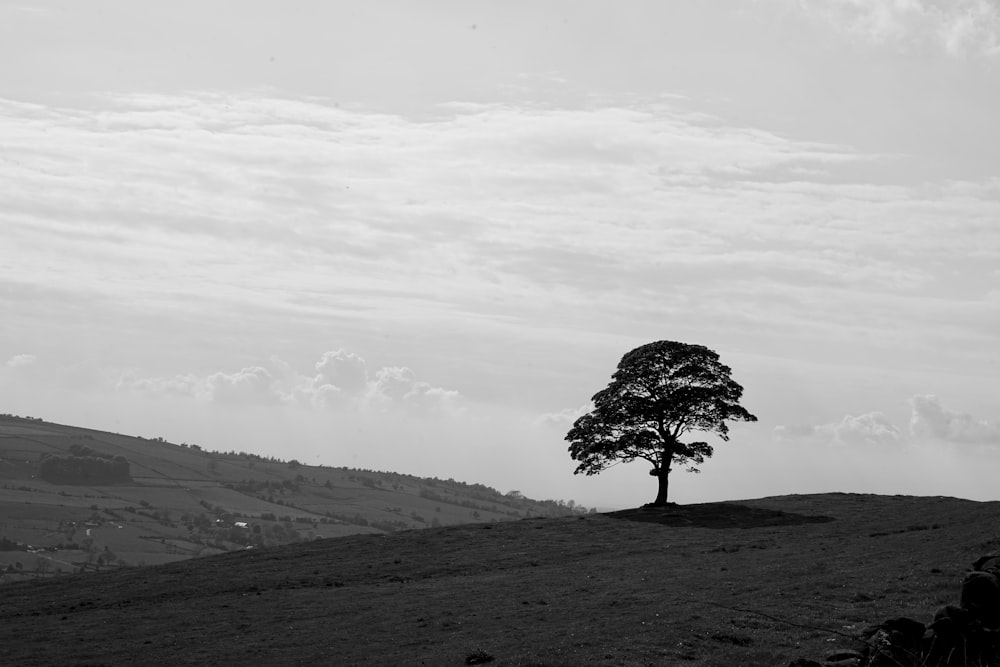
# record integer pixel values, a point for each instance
(553, 332)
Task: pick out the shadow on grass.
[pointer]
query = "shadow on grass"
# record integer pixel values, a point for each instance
(716, 515)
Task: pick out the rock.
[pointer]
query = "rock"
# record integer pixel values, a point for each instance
(982, 561)
(958, 635)
(981, 596)
(950, 621)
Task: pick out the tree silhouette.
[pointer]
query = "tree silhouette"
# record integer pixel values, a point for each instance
(660, 392)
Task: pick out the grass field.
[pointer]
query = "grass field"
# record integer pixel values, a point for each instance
(760, 582)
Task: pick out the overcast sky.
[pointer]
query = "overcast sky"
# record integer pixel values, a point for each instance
(418, 236)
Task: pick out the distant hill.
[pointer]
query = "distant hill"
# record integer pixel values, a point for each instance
(76, 499)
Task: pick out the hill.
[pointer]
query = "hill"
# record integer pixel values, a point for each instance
(73, 498)
(759, 582)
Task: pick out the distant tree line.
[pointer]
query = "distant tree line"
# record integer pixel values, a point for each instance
(84, 466)
(8, 415)
(7, 544)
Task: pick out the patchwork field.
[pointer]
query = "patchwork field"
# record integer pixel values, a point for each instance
(180, 501)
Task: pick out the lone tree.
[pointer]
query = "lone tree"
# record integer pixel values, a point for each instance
(660, 392)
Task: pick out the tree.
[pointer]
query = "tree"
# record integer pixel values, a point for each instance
(660, 392)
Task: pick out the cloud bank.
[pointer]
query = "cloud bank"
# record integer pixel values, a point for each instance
(485, 221)
(341, 382)
(930, 421)
(873, 428)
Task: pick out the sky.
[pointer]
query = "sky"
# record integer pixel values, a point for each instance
(419, 236)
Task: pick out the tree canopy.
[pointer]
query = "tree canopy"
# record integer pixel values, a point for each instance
(94, 469)
(660, 392)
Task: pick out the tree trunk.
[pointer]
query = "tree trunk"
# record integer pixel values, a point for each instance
(663, 480)
(663, 477)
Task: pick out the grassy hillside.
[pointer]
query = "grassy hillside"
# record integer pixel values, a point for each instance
(181, 501)
(759, 582)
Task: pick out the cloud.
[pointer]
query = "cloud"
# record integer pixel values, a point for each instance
(872, 428)
(960, 28)
(398, 386)
(21, 360)
(490, 222)
(253, 385)
(343, 370)
(177, 386)
(222, 167)
(341, 383)
(930, 419)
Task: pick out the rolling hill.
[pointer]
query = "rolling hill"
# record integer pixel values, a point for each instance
(76, 499)
(761, 582)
